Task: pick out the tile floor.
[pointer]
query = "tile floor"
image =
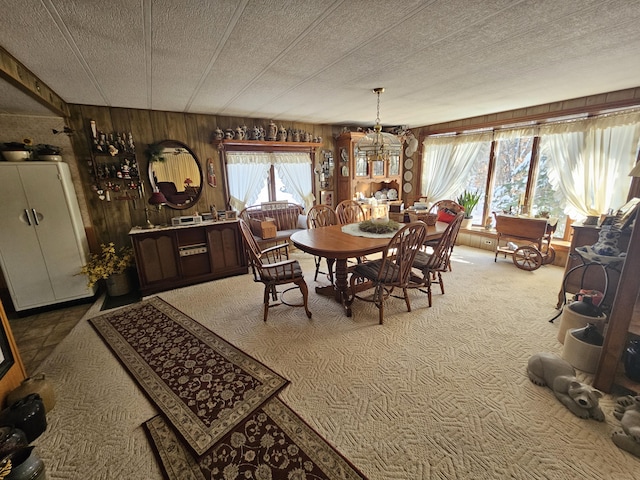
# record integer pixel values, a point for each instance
(38, 334)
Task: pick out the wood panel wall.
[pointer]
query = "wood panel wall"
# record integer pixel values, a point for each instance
(111, 221)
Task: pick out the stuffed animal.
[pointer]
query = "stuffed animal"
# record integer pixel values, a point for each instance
(548, 369)
(627, 410)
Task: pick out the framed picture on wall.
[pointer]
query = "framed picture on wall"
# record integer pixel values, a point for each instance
(326, 197)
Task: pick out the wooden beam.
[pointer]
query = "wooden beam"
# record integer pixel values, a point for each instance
(13, 71)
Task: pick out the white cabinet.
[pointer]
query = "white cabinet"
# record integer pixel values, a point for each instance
(43, 245)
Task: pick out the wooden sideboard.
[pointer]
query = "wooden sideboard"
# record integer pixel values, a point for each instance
(172, 257)
(594, 278)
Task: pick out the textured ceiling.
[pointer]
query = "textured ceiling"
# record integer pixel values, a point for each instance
(317, 60)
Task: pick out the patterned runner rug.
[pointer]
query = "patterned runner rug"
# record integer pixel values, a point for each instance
(272, 443)
(202, 384)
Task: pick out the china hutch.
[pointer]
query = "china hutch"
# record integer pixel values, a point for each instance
(354, 176)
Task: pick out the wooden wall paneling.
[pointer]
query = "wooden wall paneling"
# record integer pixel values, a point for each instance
(101, 217)
(121, 210)
(80, 144)
(142, 132)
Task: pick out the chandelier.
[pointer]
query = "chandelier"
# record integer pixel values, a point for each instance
(378, 145)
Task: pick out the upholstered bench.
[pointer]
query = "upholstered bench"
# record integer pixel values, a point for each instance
(287, 218)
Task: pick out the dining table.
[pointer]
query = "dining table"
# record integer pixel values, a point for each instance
(334, 243)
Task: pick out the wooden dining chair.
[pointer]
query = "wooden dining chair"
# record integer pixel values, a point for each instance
(449, 208)
(391, 271)
(272, 267)
(322, 215)
(350, 211)
(433, 264)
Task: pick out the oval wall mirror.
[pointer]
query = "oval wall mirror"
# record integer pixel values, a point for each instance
(178, 176)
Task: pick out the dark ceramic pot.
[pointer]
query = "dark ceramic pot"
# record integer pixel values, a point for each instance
(26, 465)
(632, 360)
(28, 415)
(11, 439)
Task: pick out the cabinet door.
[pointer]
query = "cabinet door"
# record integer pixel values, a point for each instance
(156, 258)
(394, 165)
(52, 201)
(225, 249)
(23, 265)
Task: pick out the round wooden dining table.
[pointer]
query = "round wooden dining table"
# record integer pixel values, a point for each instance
(332, 243)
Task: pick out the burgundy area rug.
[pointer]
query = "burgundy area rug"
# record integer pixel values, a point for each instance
(272, 443)
(203, 385)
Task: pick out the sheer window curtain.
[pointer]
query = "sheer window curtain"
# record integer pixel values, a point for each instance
(447, 163)
(589, 161)
(246, 174)
(294, 169)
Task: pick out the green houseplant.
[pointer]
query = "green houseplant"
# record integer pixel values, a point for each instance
(110, 264)
(468, 200)
(155, 152)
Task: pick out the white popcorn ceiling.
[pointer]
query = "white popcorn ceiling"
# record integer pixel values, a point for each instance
(318, 60)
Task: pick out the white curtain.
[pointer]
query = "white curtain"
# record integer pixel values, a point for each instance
(447, 164)
(294, 169)
(589, 161)
(246, 174)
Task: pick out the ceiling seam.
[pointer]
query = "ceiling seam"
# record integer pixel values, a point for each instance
(148, 49)
(284, 52)
(214, 57)
(55, 16)
(347, 54)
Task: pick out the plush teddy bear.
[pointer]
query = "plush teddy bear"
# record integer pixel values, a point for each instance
(627, 410)
(548, 369)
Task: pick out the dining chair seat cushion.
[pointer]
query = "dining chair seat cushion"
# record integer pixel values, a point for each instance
(421, 260)
(279, 273)
(370, 270)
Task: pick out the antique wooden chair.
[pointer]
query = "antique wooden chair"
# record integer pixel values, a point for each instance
(451, 206)
(433, 264)
(272, 267)
(391, 271)
(322, 215)
(350, 211)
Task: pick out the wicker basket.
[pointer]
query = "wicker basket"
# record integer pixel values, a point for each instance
(428, 218)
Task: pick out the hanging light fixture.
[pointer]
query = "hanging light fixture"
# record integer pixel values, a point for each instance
(379, 145)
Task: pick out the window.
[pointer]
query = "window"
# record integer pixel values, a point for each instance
(260, 176)
(274, 189)
(511, 172)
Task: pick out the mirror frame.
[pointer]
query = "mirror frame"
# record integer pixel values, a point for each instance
(178, 144)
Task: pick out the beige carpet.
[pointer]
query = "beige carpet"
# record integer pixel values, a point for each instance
(439, 393)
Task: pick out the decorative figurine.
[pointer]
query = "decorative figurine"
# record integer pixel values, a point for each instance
(282, 134)
(272, 134)
(548, 369)
(627, 410)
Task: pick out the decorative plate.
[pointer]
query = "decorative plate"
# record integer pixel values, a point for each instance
(392, 194)
(408, 176)
(408, 163)
(406, 188)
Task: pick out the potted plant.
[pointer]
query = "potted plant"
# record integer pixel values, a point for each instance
(155, 152)
(16, 151)
(468, 200)
(48, 152)
(112, 265)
